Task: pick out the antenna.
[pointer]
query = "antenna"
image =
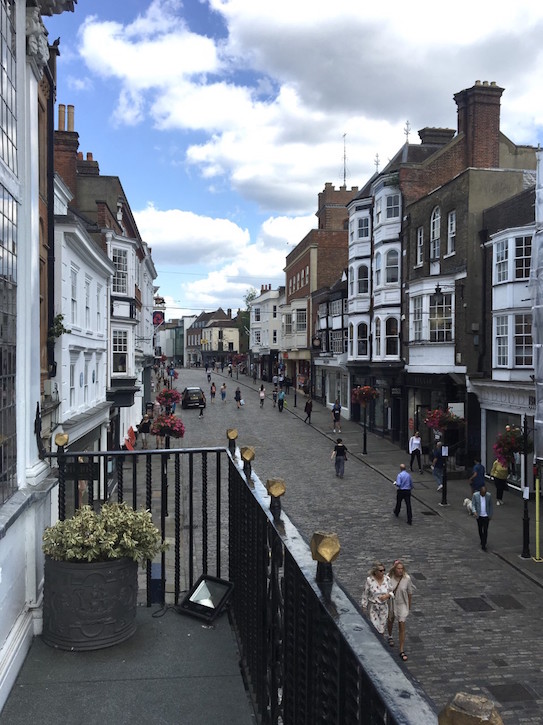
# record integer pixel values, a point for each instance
(344, 161)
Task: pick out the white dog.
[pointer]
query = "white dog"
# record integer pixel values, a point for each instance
(467, 505)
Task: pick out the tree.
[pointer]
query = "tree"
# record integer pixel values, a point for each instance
(249, 296)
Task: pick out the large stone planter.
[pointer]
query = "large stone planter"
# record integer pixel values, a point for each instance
(89, 605)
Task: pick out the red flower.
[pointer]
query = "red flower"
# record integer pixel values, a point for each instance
(363, 394)
(439, 419)
(168, 425)
(168, 396)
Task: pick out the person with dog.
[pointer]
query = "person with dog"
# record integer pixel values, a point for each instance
(399, 608)
(499, 473)
(481, 503)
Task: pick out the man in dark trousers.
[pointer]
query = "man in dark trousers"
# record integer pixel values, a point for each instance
(481, 503)
(404, 485)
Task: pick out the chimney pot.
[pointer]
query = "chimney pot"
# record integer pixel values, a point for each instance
(70, 118)
(89, 156)
(80, 155)
(61, 117)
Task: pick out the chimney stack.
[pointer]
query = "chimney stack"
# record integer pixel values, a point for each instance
(61, 117)
(479, 121)
(70, 118)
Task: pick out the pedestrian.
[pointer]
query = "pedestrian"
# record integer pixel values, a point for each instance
(336, 416)
(308, 409)
(254, 375)
(481, 503)
(340, 454)
(143, 429)
(275, 379)
(437, 465)
(477, 478)
(202, 405)
(288, 383)
(262, 395)
(274, 396)
(230, 369)
(223, 392)
(499, 473)
(208, 377)
(222, 366)
(281, 380)
(237, 397)
(281, 400)
(402, 589)
(212, 392)
(404, 485)
(376, 596)
(415, 449)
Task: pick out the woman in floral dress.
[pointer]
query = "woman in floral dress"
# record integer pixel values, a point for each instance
(376, 595)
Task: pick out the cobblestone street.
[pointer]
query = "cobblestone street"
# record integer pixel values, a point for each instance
(475, 615)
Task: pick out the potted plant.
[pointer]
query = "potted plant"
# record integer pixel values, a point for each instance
(363, 394)
(168, 425)
(168, 397)
(511, 441)
(440, 419)
(91, 582)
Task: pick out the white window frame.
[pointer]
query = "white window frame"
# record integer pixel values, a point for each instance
(119, 346)
(440, 318)
(522, 340)
(378, 269)
(420, 246)
(523, 256)
(501, 261)
(73, 284)
(393, 206)
(501, 338)
(417, 318)
(377, 211)
(377, 350)
(256, 311)
(362, 341)
(363, 227)
(287, 317)
(120, 278)
(392, 337)
(435, 231)
(301, 320)
(392, 269)
(451, 232)
(336, 308)
(363, 282)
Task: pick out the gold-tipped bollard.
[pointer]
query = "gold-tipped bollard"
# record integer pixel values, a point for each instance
(325, 548)
(247, 455)
(276, 488)
(232, 435)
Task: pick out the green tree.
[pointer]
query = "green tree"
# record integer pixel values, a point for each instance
(249, 296)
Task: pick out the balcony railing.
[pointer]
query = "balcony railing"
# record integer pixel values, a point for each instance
(307, 653)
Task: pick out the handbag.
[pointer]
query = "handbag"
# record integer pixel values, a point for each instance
(242, 402)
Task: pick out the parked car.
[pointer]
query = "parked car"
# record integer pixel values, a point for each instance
(193, 398)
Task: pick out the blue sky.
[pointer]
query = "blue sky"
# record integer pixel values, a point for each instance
(225, 118)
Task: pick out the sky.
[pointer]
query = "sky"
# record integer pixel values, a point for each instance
(224, 119)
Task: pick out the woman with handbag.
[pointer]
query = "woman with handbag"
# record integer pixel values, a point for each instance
(499, 473)
(400, 606)
(376, 596)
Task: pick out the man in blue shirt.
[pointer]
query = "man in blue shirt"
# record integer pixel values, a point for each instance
(404, 484)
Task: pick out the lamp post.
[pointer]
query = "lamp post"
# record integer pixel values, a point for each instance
(526, 495)
(364, 449)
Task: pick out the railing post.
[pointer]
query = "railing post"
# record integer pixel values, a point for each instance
(232, 435)
(325, 548)
(248, 455)
(61, 440)
(275, 488)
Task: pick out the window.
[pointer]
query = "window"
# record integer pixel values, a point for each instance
(451, 232)
(441, 318)
(393, 206)
(523, 254)
(8, 100)
(257, 314)
(377, 212)
(274, 312)
(364, 227)
(417, 318)
(323, 310)
(351, 281)
(73, 278)
(391, 332)
(335, 308)
(301, 321)
(98, 310)
(298, 281)
(502, 356)
(392, 269)
(290, 286)
(120, 351)
(420, 245)
(435, 223)
(336, 341)
(256, 334)
(362, 341)
(87, 304)
(351, 230)
(378, 269)
(502, 260)
(86, 383)
(523, 340)
(302, 283)
(120, 280)
(288, 324)
(363, 280)
(274, 337)
(377, 351)
(72, 385)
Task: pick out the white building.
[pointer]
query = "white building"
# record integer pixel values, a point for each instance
(265, 330)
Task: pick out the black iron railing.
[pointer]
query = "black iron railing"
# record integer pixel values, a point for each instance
(308, 655)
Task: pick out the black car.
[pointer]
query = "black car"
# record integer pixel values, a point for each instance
(193, 398)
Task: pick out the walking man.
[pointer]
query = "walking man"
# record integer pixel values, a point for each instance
(481, 503)
(437, 465)
(336, 416)
(404, 484)
(340, 454)
(281, 400)
(477, 478)
(308, 410)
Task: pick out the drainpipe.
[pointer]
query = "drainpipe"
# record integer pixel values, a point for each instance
(51, 363)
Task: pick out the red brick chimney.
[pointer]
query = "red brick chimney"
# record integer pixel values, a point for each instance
(479, 121)
(66, 145)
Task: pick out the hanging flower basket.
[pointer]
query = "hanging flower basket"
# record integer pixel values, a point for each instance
(168, 425)
(169, 396)
(364, 394)
(439, 419)
(509, 442)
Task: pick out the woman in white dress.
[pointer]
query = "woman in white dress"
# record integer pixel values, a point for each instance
(402, 588)
(376, 595)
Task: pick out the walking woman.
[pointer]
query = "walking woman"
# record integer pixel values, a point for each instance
(376, 595)
(262, 395)
(402, 589)
(415, 449)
